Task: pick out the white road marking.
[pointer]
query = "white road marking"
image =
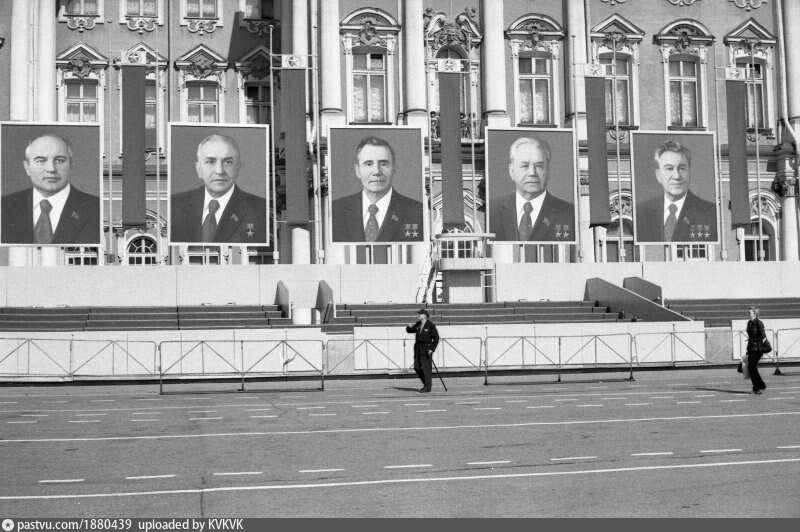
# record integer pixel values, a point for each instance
(588, 405)
(637, 404)
(137, 420)
(787, 392)
(662, 397)
(321, 415)
(342, 395)
(197, 398)
(562, 400)
(511, 391)
(319, 470)
(89, 415)
(596, 387)
(491, 476)
(518, 401)
(490, 463)
(488, 408)
(19, 422)
(237, 473)
(779, 398)
(481, 426)
(422, 411)
(363, 406)
(34, 415)
(9, 402)
(732, 400)
(311, 407)
(150, 399)
(145, 413)
(789, 447)
(370, 413)
(53, 402)
(613, 398)
(688, 402)
(148, 477)
(246, 398)
(720, 451)
(416, 404)
(718, 382)
(63, 480)
(201, 412)
(256, 417)
(256, 409)
(102, 400)
(665, 453)
(84, 421)
(574, 458)
(706, 395)
(406, 466)
(469, 403)
(545, 406)
(203, 418)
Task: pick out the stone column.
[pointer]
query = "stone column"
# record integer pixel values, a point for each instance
(493, 64)
(416, 107)
(789, 220)
(330, 59)
(46, 63)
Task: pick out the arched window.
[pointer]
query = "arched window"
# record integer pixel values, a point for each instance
(142, 250)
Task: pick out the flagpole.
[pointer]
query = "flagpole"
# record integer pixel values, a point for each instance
(472, 137)
(273, 143)
(758, 157)
(721, 226)
(575, 155)
(621, 251)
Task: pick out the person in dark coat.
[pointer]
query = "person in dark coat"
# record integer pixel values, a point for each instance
(51, 211)
(425, 341)
(532, 213)
(677, 215)
(755, 338)
(219, 211)
(378, 213)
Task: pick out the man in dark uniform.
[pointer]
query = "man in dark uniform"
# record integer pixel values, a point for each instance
(425, 341)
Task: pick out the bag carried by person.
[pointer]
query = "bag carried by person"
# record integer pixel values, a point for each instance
(765, 347)
(743, 369)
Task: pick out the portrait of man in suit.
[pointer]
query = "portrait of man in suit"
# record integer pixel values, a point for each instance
(219, 210)
(52, 210)
(377, 212)
(675, 214)
(531, 213)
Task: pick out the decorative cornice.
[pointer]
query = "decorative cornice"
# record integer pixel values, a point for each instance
(142, 24)
(613, 2)
(747, 5)
(201, 26)
(682, 2)
(81, 22)
(260, 27)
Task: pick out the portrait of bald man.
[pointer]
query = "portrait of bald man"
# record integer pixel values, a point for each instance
(531, 213)
(52, 210)
(218, 210)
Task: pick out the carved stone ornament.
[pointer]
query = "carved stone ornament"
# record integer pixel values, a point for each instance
(79, 66)
(201, 26)
(613, 206)
(747, 5)
(462, 32)
(682, 2)
(259, 68)
(368, 35)
(615, 40)
(614, 2)
(201, 67)
(259, 27)
(765, 210)
(80, 22)
(142, 24)
(535, 28)
(684, 34)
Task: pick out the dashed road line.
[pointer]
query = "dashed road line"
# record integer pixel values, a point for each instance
(201, 412)
(407, 466)
(257, 417)
(256, 409)
(720, 450)
(246, 398)
(150, 399)
(371, 413)
(732, 400)
(638, 404)
(204, 418)
(787, 392)
(563, 400)
(318, 415)
(706, 395)
(312, 407)
(140, 420)
(613, 398)
(145, 413)
(662, 397)
(688, 402)
(102, 400)
(90, 415)
(237, 473)
(19, 422)
(53, 402)
(488, 408)
(493, 462)
(664, 453)
(331, 470)
(62, 481)
(423, 411)
(149, 477)
(573, 458)
(9, 402)
(544, 406)
(788, 447)
(597, 387)
(587, 405)
(416, 404)
(779, 398)
(34, 415)
(196, 398)
(84, 421)
(363, 406)
(469, 403)
(518, 401)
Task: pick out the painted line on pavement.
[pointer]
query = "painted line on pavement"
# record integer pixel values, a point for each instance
(364, 406)
(256, 417)
(587, 405)
(416, 404)
(256, 409)
(62, 481)
(405, 429)
(614, 398)
(203, 418)
(87, 415)
(469, 403)
(139, 420)
(518, 401)
(34, 415)
(720, 451)
(688, 402)
(317, 415)
(573, 458)
(53, 402)
(545, 406)
(488, 408)
(150, 399)
(237, 473)
(84, 421)
(562, 400)
(789, 447)
(638, 404)
(312, 407)
(145, 413)
(665, 453)
(490, 463)
(732, 400)
(662, 397)
(148, 477)
(9, 402)
(333, 470)
(423, 411)
(371, 413)
(406, 466)
(705, 395)
(201, 412)
(19, 422)
(779, 398)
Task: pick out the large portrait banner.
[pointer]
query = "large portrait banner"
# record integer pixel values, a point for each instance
(50, 184)
(674, 187)
(218, 184)
(531, 189)
(376, 181)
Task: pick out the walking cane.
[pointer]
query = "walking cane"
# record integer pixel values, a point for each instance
(437, 372)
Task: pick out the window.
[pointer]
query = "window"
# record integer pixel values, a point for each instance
(257, 103)
(369, 87)
(150, 111)
(618, 90)
(259, 255)
(755, 93)
(141, 8)
(259, 9)
(81, 256)
(201, 8)
(142, 250)
(86, 8)
(204, 255)
(81, 101)
(692, 252)
(683, 94)
(535, 90)
(613, 240)
(202, 102)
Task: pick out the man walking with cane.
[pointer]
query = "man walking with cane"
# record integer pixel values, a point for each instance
(425, 341)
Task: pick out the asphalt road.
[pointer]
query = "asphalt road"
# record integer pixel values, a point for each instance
(682, 443)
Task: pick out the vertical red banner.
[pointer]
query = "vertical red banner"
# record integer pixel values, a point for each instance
(450, 137)
(294, 115)
(598, 151)
(134, 189)
(735, 94)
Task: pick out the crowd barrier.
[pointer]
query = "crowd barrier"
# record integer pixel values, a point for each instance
(72, 359)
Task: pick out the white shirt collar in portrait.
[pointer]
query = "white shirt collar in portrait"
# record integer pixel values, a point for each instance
(536, 203)
(222, 200)
(57, 202)
(678, 204)
(382, 204)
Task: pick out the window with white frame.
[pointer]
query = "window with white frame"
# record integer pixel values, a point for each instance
(684, 92)
(259, 9)
(535, 89)
(204, 255)
(751, 48)
(617, 71)
(80, 15)
(369, 38)
(81, 256)
(202, 101)
(81, 100)
(535, 42)
(369, 85)
(755, 102)
(142, 250)
(201, 16)
(141, 8)
(201, 8)
(257, 102)
(684, 51)
(84, 8)
(692, 252)
(150, 114)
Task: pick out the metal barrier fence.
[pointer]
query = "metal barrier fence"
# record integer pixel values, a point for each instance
(585, 350)
(240, 358)
(71, 358)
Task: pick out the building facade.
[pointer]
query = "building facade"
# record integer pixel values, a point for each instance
(523, 64)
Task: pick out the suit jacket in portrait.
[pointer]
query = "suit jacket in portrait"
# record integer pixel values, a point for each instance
(244, 220)
(402, 222)
(79, 222)
(555, 222)
(697, 221)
